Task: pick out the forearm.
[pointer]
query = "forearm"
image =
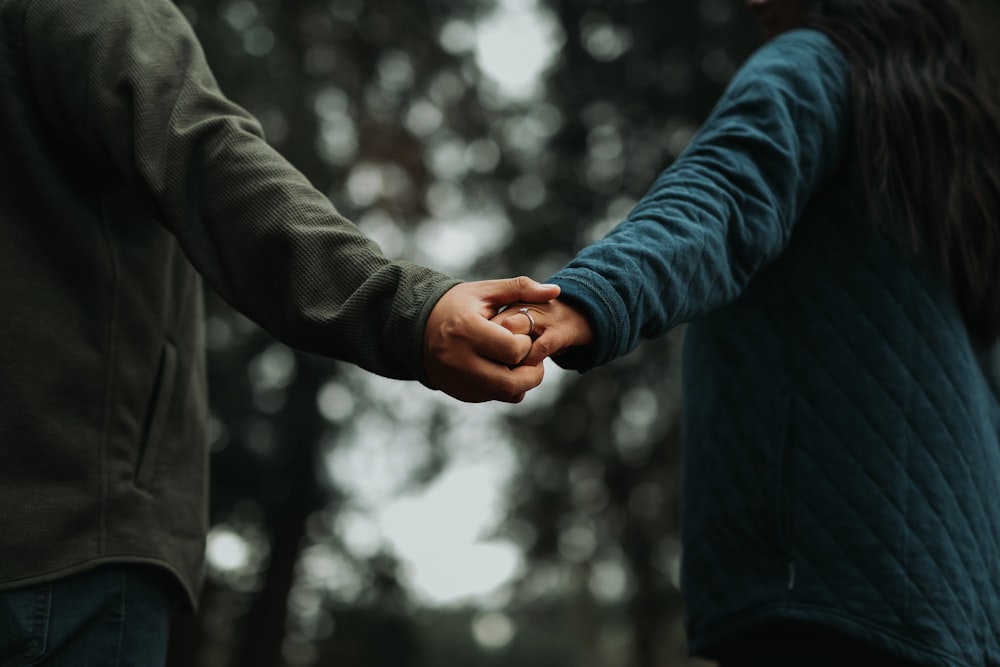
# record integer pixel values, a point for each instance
(126, 82)
(725, 208)
(276, 248)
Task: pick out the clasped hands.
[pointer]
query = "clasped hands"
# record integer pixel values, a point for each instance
(480, 346)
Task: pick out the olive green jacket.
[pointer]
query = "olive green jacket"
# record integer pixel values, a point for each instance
(124, 174)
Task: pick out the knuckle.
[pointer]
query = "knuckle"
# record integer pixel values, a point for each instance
(519, 347)
(512, 389)
(543, 345)
(505, 320)
(460, 325)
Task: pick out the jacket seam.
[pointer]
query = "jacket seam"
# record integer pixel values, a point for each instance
(111, 343)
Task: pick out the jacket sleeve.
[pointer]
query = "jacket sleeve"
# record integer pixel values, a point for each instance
(725, 208)
(127, 81)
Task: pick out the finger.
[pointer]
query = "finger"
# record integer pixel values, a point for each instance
(511, 290)
(495, 342)
(486, 381)
(543, 347)
(523, 379)
(517, 321)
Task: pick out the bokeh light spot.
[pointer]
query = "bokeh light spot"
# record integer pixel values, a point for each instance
(493, 630)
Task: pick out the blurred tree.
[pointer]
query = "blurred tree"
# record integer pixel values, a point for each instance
(635, 80)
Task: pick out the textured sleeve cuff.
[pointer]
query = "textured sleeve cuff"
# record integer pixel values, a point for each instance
(592, 295)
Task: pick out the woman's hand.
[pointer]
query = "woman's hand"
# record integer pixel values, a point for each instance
(554, 326)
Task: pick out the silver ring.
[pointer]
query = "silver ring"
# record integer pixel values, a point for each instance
(531, 320)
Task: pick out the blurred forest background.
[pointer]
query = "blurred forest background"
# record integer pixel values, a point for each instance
(359, 522)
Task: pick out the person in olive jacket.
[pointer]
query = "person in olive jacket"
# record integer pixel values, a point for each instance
(126, 176)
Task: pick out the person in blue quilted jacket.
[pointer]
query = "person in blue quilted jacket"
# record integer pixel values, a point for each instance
(832, 236)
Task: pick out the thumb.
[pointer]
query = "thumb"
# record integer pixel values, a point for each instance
(520, 289)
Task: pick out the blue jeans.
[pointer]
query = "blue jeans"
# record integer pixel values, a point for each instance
(114, 616)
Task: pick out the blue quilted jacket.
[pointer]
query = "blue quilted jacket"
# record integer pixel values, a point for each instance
(841, 458)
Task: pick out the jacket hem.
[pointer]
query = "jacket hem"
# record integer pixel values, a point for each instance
(185, 594)
(705, 643)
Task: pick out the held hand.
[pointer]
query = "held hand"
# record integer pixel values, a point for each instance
(555, 326)
(473, 359)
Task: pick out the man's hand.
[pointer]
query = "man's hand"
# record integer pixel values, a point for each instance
(555, 326)
(473, 359)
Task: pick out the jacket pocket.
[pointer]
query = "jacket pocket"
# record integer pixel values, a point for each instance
(156, 415)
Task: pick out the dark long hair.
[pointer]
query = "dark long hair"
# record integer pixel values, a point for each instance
(927, 114)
